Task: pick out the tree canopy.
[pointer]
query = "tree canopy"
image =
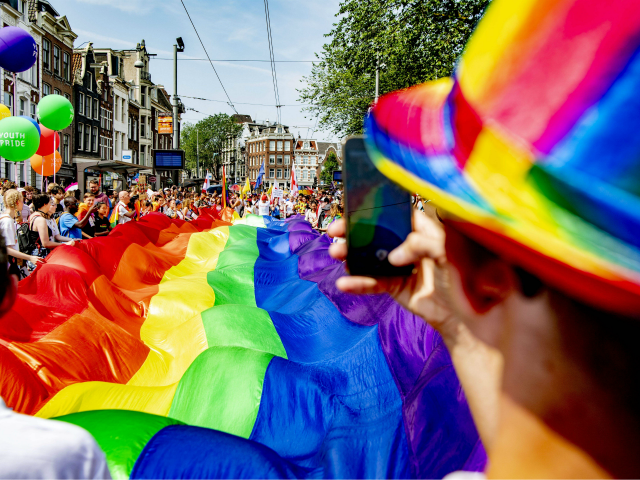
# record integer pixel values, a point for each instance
(414, 41)
(330, 164)
(210, 133)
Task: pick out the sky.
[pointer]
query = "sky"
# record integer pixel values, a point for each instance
(230, 30)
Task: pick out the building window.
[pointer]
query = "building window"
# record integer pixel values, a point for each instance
(272, 159)
(87, 138)
(23, 107)
(279, 159)
(66, 72)
(94, 139)
(271, 173)
(287, 145)
(305, 145)
(56, 60)
(87, 106)
(8, 101)
(65, 149)
(279, 173)
(89, 81)
(287, 159)
(80, 103)
(143, 97)
(279, 129)
(298, 174)
(80, 137)
(143, 123)
(95, 108)
(312, 173)
(33, 110)
(286, 173)
(46, 54)
(56, 91)
(313, 160)
(272, 145)
(135, 129)
(67, 96)
(304, 175)
(279, 145)
(305, 160)
(46, 89)
(129, 128)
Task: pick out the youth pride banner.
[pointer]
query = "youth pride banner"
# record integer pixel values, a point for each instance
(218, 350)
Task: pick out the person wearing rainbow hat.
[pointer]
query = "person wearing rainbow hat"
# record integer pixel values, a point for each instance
(531, 269)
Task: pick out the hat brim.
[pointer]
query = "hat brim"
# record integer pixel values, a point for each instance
(427, 140)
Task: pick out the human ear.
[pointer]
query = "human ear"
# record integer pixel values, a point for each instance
(490, 284)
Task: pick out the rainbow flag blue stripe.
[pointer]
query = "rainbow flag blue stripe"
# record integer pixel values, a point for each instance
(290, 377)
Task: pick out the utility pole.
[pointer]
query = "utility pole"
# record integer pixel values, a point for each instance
(177, 47)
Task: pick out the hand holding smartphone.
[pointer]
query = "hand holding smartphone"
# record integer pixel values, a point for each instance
(378, 214)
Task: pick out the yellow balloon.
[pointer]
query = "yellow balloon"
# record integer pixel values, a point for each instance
(4, 112)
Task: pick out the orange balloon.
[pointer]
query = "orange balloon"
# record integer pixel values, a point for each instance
(50, 166)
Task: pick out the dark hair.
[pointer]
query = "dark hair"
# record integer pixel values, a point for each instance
(57, 190)
(95, 182)
(68, 201)
(40, 200)
(99, 205)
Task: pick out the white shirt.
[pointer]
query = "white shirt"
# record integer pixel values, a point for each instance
(263, 208)
(32, 447)
(53, 225)
(289, 206)
(9, 231)
(122, 209)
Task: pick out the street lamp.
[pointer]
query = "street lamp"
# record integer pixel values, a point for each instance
(178, 47)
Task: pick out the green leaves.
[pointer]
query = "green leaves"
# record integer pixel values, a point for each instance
(414, 40)
(210, 135)
(330, 164)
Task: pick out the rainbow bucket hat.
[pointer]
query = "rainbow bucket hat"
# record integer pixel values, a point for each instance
(533, 147)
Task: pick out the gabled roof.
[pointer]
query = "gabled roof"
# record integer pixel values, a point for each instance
(76, 62)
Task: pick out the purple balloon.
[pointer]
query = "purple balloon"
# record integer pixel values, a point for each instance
(18, 50)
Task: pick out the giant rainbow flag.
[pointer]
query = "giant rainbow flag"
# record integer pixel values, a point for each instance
(221, 348)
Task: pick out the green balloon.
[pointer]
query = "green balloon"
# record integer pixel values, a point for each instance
(55, 112)
(19, 139)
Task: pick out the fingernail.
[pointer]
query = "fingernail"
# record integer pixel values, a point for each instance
(396, 256)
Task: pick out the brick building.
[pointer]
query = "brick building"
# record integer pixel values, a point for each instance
(273, 145)
(56, 57)
(23, 97)
(87, 101)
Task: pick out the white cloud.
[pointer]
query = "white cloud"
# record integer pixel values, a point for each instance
(107, 41)
(130, 6)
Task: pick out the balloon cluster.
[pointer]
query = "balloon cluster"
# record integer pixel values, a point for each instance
(22, 137)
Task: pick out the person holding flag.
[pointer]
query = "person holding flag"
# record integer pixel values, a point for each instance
(294, 183)
(224, 188)
(207, 182)
(260, 175)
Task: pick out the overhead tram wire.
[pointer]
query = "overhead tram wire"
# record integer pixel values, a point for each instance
(273, 64)
(233, 60)
(207, 54)
(245, 103)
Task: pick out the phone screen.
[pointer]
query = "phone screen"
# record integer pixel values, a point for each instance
(378, 215)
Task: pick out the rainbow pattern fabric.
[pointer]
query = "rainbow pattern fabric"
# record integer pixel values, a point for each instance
(533, 144)
(218, 350)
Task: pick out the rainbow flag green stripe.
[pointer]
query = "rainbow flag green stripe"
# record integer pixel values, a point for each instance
(232, 355)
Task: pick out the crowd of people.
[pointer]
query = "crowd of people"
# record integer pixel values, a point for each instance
(33, 223)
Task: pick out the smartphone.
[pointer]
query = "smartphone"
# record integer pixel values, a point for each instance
(378, 214)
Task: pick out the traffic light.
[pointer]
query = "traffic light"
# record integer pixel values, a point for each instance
(315, 182)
